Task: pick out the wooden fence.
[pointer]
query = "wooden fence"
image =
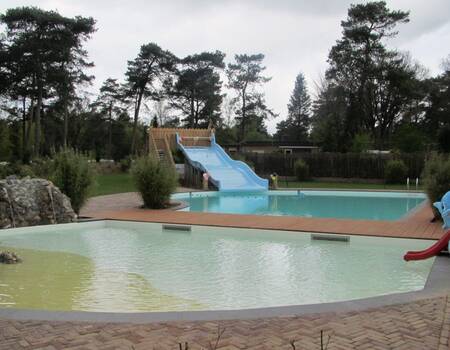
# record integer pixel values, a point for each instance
(338, 165)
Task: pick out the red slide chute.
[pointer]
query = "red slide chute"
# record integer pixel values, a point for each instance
(435, 249)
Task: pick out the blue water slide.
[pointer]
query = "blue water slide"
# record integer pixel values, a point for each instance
(225, 173)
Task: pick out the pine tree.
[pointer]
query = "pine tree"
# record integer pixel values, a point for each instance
(296, 126)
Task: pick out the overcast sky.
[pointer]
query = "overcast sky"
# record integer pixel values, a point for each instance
(294, 35)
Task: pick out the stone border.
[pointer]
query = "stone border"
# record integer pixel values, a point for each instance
(437, 285)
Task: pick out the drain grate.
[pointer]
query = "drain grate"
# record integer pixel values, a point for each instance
(181, 228)
(332, 238)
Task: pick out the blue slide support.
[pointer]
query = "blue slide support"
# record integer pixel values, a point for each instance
(225, 173)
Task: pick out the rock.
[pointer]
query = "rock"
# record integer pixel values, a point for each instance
(28, 202)
(9, 258)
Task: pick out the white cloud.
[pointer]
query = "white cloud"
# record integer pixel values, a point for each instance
(295, 35)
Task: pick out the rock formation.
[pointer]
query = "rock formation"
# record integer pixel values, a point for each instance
(28, 202)
(9, 258)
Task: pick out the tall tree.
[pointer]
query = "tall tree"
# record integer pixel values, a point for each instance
(197, 89)
(437, 110)
(328, 123)
(110, 104)
(245, 75)
(374, 78)
(297, 124)
(150, 67)
(71, 72)
(49, 46)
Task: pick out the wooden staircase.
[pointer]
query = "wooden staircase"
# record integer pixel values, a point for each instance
(162, 141)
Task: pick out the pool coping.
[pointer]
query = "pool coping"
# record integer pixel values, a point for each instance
(436, 285)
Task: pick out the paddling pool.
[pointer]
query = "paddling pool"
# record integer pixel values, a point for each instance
(132, 267)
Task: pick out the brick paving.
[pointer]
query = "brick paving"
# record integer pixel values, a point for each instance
(423, 324)
(418, 325)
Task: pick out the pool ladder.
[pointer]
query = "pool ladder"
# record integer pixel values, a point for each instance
(408, 184)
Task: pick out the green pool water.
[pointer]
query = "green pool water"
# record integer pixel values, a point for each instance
(123, 267)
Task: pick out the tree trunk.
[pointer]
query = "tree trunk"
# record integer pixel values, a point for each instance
(24, 127)
(37, 139)
(244, 101)
(135, 123)
(191, 122)
(110, 132)
(66, 124)
(28, 132)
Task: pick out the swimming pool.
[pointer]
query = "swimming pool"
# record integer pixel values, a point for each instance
(125, 266)
(319, 204)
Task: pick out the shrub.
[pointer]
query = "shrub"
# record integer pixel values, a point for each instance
(74, 176)
(436, 177)
(395, 172)
(42, 168)
(17, 169)
(301, 170)
(125, 164)
(154, 180)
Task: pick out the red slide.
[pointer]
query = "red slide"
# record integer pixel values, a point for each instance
(435, 249)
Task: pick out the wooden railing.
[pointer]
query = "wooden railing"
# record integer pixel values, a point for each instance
(164, 139)
(168, 152)
(161, 133)
(153, 149)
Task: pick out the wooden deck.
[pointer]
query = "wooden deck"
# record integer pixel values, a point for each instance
(416, 225)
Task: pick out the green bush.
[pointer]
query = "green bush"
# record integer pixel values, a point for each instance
(395, 172)
(74, 176)
(154, 180)
(125, 164)
(301, 170)
(3, 171)
(42, 168)
(17, 169)
(436, 177)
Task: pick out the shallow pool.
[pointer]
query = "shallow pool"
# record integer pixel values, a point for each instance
(319, 204)
(123, 266)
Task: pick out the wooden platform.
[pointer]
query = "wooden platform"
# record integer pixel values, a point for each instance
(416, 225)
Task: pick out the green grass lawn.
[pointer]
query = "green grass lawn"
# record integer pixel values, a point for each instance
(113, 183)
(120, 183)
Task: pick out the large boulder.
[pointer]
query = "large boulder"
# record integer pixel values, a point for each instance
(28, 202)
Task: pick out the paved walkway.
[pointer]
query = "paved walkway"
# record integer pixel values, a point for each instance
(421, 325)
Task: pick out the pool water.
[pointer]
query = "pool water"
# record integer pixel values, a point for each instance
(123, 266)
(319, 204)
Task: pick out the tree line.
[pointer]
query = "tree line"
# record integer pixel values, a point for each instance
(371, 96)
